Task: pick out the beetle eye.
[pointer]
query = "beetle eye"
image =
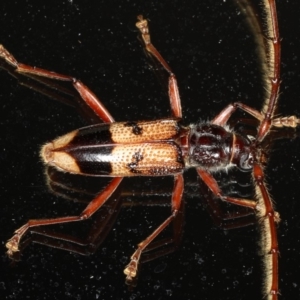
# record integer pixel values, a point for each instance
(246, 162)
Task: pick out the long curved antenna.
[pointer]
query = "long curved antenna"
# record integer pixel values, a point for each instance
(268, 41)
(273, 58)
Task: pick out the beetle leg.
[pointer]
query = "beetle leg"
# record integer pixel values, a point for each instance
(86, 94)
(214, 187)
(13, 244)
(131, 269)
(174, 97)
(222, 118)
(101, 226)
(291, 121)
(227, 219)
(267, 217)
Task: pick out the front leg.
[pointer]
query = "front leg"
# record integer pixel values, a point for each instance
(214, 187)
(222, 118)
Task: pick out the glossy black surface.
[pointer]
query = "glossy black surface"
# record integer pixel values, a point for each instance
(213, 57)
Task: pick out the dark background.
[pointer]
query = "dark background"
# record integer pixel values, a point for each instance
(212, 53)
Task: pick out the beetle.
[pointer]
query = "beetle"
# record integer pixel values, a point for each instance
(165, 147)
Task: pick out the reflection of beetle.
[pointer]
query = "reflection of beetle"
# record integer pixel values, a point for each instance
(165, 147)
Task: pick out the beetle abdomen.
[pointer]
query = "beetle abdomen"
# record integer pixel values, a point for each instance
(118, 149)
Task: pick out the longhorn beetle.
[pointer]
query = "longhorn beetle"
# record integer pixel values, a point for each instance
(165, 147)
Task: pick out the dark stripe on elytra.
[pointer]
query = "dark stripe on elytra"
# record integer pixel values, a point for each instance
(92, 135)
(136, 129)
(92, 160)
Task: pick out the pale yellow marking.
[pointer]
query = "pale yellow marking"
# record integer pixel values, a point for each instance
(154, 156)
(150, 131)
(64, 140)
(61, 160)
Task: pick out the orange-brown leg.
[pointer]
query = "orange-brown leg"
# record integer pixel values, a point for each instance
(101, 226)
(222, 118)
(174, 97)
(13, 244)
(236, 217)
(86, 94)
(213, 186)
(268, 219)
(131, 269)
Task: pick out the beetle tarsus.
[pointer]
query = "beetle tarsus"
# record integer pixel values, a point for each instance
(131, 270)
(12, 245)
